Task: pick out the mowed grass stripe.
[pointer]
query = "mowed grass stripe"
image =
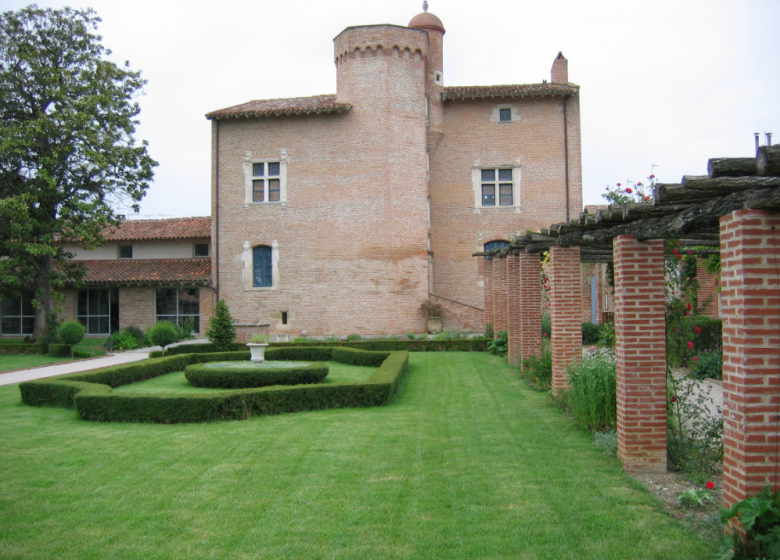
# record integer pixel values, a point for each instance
(464, 463)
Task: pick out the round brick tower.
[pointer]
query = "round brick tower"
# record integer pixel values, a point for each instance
(434, 83)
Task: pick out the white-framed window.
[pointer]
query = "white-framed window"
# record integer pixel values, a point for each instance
(265, 180)
(18, 314)
(496, 186)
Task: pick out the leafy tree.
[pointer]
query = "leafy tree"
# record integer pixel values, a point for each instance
(221, 331)
(68, 157)
(163, 333)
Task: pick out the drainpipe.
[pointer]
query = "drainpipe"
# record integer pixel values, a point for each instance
(216, 212)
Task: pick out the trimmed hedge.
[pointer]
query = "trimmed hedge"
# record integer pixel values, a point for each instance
(212, 376)
(60, 350)
(22, 349)
(460, 345)
(90, 392)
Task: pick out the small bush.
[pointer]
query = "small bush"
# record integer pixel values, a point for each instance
(123, 340)
(71, 332)
(81, 354)
(60, 350)
(607, 335)
(499, 345)
(592, 393)
(163, 333)
(221, 332)
(21, 349)
(354, 337)
(590, 333)
(139, 336)
(538, 369)
(708, 364)
(489, 333)
(606, 440)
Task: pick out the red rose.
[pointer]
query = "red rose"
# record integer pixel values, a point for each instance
(674, 251)
(695, 358)
(710, 485)
(647, 198)
(690, 346)
(618, 184)
(673, 399)
(639, 184)
(628, 190)
(690, 252)
(697, 329)
(690, 307)
(679, 257)
(651, 177)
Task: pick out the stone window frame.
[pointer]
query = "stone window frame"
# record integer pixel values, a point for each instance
(249, 178)
(248, 272)
(476, 179)
(514, 114)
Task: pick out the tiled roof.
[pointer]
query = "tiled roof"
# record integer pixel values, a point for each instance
(316, 105)
(515, 90)
(161, 271)
(174, 228)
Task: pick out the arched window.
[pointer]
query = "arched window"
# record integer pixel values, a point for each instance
(262, 267)
(491, 245)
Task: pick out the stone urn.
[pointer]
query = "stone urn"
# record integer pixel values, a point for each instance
(434, 324)
(258, 351)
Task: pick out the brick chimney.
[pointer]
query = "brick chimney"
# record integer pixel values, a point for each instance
(560, 70)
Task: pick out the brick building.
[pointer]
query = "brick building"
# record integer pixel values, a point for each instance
(342, 213)
(147, 271)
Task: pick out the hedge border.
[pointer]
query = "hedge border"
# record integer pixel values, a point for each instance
(457, 345)
(90, 392)
(20, 349)
(203, 375)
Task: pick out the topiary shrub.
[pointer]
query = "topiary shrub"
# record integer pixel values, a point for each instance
(71, 332)
(221, 331)
(243, 375)
(163, 333)
(60, 350)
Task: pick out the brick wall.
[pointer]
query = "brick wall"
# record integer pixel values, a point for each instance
(640, 354)
(530, 303)
(489, 295)
(566, 312)
(749, 249)
(709, 296)
(136, 307)
(499, 289)
(514, 310)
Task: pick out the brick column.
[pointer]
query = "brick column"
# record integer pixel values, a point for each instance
(513, 318)
(531, 303)
(489, 295)
(499, 291)
(640, 354)
(750, 297)
(566, 313)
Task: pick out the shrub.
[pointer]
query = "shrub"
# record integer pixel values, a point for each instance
(760, 517)
(60, 350)
(590, 333)
(221, 332)
(538, 369)
(607, 335)
(81, 354)
(708, 364)
(606, 440)
(242, 375)
(21, 349)
(499, 345)
(138, 335)
(354, 337)
(546, 325)
(50, 325)
(489, 333)
(163, 333)
(71, 332)
(123, 340)
(592, 393)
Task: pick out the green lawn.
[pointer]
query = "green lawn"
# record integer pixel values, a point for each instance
(9, 363)
(465, 463)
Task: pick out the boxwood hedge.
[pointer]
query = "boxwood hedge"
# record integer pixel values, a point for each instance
(460, 345)
(221, 376)
(22, 349)
(90, 392)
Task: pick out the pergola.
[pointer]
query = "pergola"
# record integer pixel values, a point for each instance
(734, 210)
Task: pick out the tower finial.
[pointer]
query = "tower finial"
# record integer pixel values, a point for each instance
(425, 5)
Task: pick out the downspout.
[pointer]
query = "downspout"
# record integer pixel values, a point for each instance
(565, 154)
(216, 210)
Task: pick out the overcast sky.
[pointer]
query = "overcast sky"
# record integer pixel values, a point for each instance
(670, 83)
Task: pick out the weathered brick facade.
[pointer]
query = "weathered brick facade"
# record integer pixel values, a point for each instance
(381, 188)
(566, 316)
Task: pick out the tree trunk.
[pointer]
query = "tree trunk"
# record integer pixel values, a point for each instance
(768, 161)
(731, 167)
(44, 296)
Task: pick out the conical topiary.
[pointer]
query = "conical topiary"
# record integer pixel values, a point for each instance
(221, 331)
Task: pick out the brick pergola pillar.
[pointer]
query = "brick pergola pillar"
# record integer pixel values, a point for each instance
(489, 295)
(513, 311)
(530, 303)
(499, 295)
(566, 313)
(640, 353)
(750, 297)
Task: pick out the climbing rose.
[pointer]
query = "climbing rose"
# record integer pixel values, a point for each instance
(690, 346)
(673, 399)
(628, 190)
(695, 358)
(647, 198)
(639, 184)
(697, 329)
(690, 252)
(618, 184)
(674, 251)
(710, 485)
(679, 257)
(690, 307)
(651, 177)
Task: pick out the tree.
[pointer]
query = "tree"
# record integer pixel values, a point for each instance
(68, 157)
(163, 333)
(221, 331)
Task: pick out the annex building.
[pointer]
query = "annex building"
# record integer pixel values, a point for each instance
(343, 213)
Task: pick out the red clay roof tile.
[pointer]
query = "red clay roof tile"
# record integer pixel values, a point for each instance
(161, 271)
(512, 90)
(318, 104)
(174, 228)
